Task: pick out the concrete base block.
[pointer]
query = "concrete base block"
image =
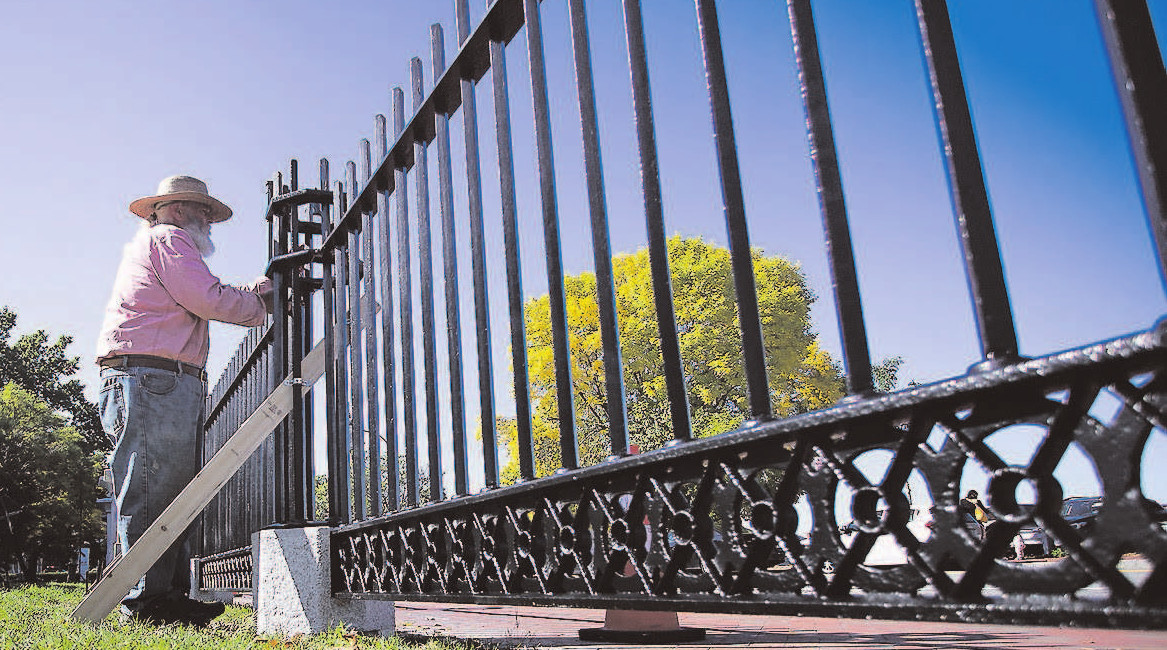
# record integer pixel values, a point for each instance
(293, 587)
(217, 595)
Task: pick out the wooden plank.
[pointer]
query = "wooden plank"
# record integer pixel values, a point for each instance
(126, 571)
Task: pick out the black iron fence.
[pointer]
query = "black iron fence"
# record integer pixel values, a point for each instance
(716, 523)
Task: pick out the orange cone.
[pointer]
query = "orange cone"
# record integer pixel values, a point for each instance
(641, 626)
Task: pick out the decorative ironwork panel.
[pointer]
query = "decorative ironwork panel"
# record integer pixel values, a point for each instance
(230, 571)
(712, 525)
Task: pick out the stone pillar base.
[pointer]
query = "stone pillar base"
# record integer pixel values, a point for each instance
(293, 587)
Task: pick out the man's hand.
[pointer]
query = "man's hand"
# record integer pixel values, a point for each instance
(263, 287)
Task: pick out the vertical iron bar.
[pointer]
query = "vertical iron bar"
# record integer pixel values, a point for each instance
(244, 397)
(250, 386)
(426, 273)
(256, 388)
(478, 260)
(405, 311)
(233, 495)
(658, 253)
(273, 189)
(283, 456)
(303, 316)
(450, 264)
(601, 246)
(265, 508)
(271, 192)
(337, 477)
(356, 376)
(281, 451)
(966, 181)
(259, 380)
(1139, 76)
(267, 477)
(239, 493)
(215, 514)
(204, 452)
(297, 508)
(229, 410)
(211, 516)
(271, 458)
(230, 399)
(370, 309)
(240, 397)
(568, 447)
(506, 181)
(245, 391)
(242, 392)
(220, 511)
(392, 470)
(856, 355)
(753, 347)
(342, 397)
(308, 438)
(255, 380)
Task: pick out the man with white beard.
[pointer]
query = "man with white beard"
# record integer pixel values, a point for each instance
(152, 349)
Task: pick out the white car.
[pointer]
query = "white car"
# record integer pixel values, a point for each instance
(886, 551)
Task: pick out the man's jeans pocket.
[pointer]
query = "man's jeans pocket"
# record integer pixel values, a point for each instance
(159, 383)
(112, 404)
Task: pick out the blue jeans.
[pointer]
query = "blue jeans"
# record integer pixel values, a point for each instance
(155, 419)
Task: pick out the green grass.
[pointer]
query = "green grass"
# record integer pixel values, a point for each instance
(38, 617)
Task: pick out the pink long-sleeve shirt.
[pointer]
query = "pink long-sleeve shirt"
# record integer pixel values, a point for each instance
(164, 298)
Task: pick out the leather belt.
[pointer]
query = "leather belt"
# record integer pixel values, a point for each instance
(157, 363)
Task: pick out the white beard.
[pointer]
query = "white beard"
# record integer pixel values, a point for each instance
(199, 233)
(202, 238)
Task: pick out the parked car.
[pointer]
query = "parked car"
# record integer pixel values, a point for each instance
(1158, 514)
(886, 551)
(1080, 512)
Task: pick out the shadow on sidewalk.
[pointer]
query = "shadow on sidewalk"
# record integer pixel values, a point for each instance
(501, 626)
(795, 639)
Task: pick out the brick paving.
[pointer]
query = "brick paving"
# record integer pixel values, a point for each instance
(559, 627)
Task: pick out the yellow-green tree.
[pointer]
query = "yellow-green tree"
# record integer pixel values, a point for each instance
(802, 376)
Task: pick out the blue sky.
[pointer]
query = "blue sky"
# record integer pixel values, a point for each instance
(101, 100)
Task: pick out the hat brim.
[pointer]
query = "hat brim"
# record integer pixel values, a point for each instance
(144, 206)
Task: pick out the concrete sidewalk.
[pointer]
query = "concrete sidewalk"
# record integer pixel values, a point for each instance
(558, 627)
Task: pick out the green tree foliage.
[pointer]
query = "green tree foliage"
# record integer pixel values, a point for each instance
(320, 497)
(320, 487)
(42, 369)
(802, 376)
(48, 484)
(885, 375)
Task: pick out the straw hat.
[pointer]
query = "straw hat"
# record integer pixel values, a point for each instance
(182, 188)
